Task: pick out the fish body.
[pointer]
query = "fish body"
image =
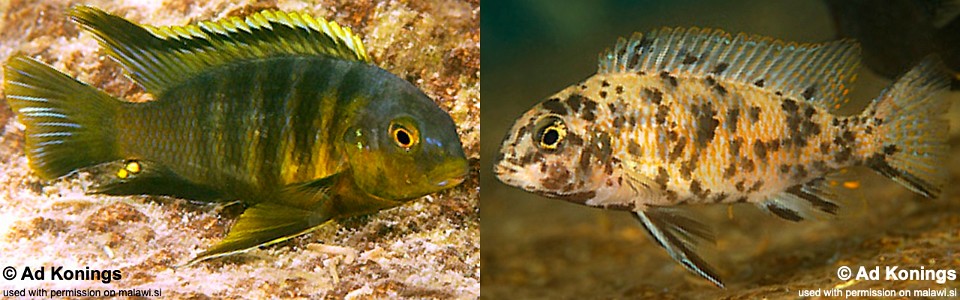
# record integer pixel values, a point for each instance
(280, 111)
(690, 116)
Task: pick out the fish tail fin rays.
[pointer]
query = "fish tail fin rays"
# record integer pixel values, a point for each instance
(264, 224)
(913, 129)
(162, 57)
(69, 125)
(678, 234)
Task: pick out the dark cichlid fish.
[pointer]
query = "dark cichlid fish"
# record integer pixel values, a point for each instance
(280, 110)
(696, 116)
(896, 34)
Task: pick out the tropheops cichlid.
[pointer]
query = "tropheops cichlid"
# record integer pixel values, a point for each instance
(681, 116)
(279, 110)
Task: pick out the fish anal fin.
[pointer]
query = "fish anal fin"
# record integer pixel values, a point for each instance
(821, 73)
(162, 57)
(677, 234)
(261, 225)
(802, 201)
(143, 177)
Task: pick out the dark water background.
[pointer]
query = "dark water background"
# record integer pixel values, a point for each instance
(535, 247)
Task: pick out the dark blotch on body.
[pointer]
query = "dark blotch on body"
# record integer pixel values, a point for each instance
(575, 101)
(733, 116)
(749, 166)
(706, 123)
(589, 110)
(662, 177)
(662, 112)
(754, 114)
(634, 148)
(735, 146)
(669, 79)
(760, 149)
(653, 95)
(756, 186)
(687, 168)
(730, 171)
(554, 106)
(677, 150)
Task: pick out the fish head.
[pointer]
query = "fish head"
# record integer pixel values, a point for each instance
(403, 146)
(555, 151)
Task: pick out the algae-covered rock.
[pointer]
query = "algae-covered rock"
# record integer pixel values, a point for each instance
(428, 248)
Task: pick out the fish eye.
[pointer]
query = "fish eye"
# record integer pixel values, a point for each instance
(550, 132)
(404, 136)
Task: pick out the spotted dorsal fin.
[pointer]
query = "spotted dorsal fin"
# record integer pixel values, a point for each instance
(161, 57)
(821, 73)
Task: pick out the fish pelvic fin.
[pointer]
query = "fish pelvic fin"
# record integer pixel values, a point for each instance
(144, 177)
(264, 224)
(162, 57)
(913, 131)
(69, 125)
(678, 234)
(803, 201)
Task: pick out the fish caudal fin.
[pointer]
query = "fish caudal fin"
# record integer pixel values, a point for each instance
(69, 125)
(913, 130)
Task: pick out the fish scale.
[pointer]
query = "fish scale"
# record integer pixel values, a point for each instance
(682, 116)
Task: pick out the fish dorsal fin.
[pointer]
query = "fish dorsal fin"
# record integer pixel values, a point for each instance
(821, 73)
(162, 57)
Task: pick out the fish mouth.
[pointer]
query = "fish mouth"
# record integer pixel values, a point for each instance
(451, 173)
(505, 172)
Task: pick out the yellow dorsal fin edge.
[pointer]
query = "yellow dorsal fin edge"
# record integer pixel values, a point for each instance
(161, 57)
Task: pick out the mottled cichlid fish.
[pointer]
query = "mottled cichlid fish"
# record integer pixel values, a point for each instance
(697, 116)
(279, 110)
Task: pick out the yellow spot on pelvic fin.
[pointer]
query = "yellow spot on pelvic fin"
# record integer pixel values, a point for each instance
(129, 168)
(133, 167)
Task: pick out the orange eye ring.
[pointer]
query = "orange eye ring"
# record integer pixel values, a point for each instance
(404, 138)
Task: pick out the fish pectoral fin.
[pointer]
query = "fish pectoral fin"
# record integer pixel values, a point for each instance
(802, 201)
(143, 177)
(310, 193)
(162, 57)
(262, 225)
(678, 234)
